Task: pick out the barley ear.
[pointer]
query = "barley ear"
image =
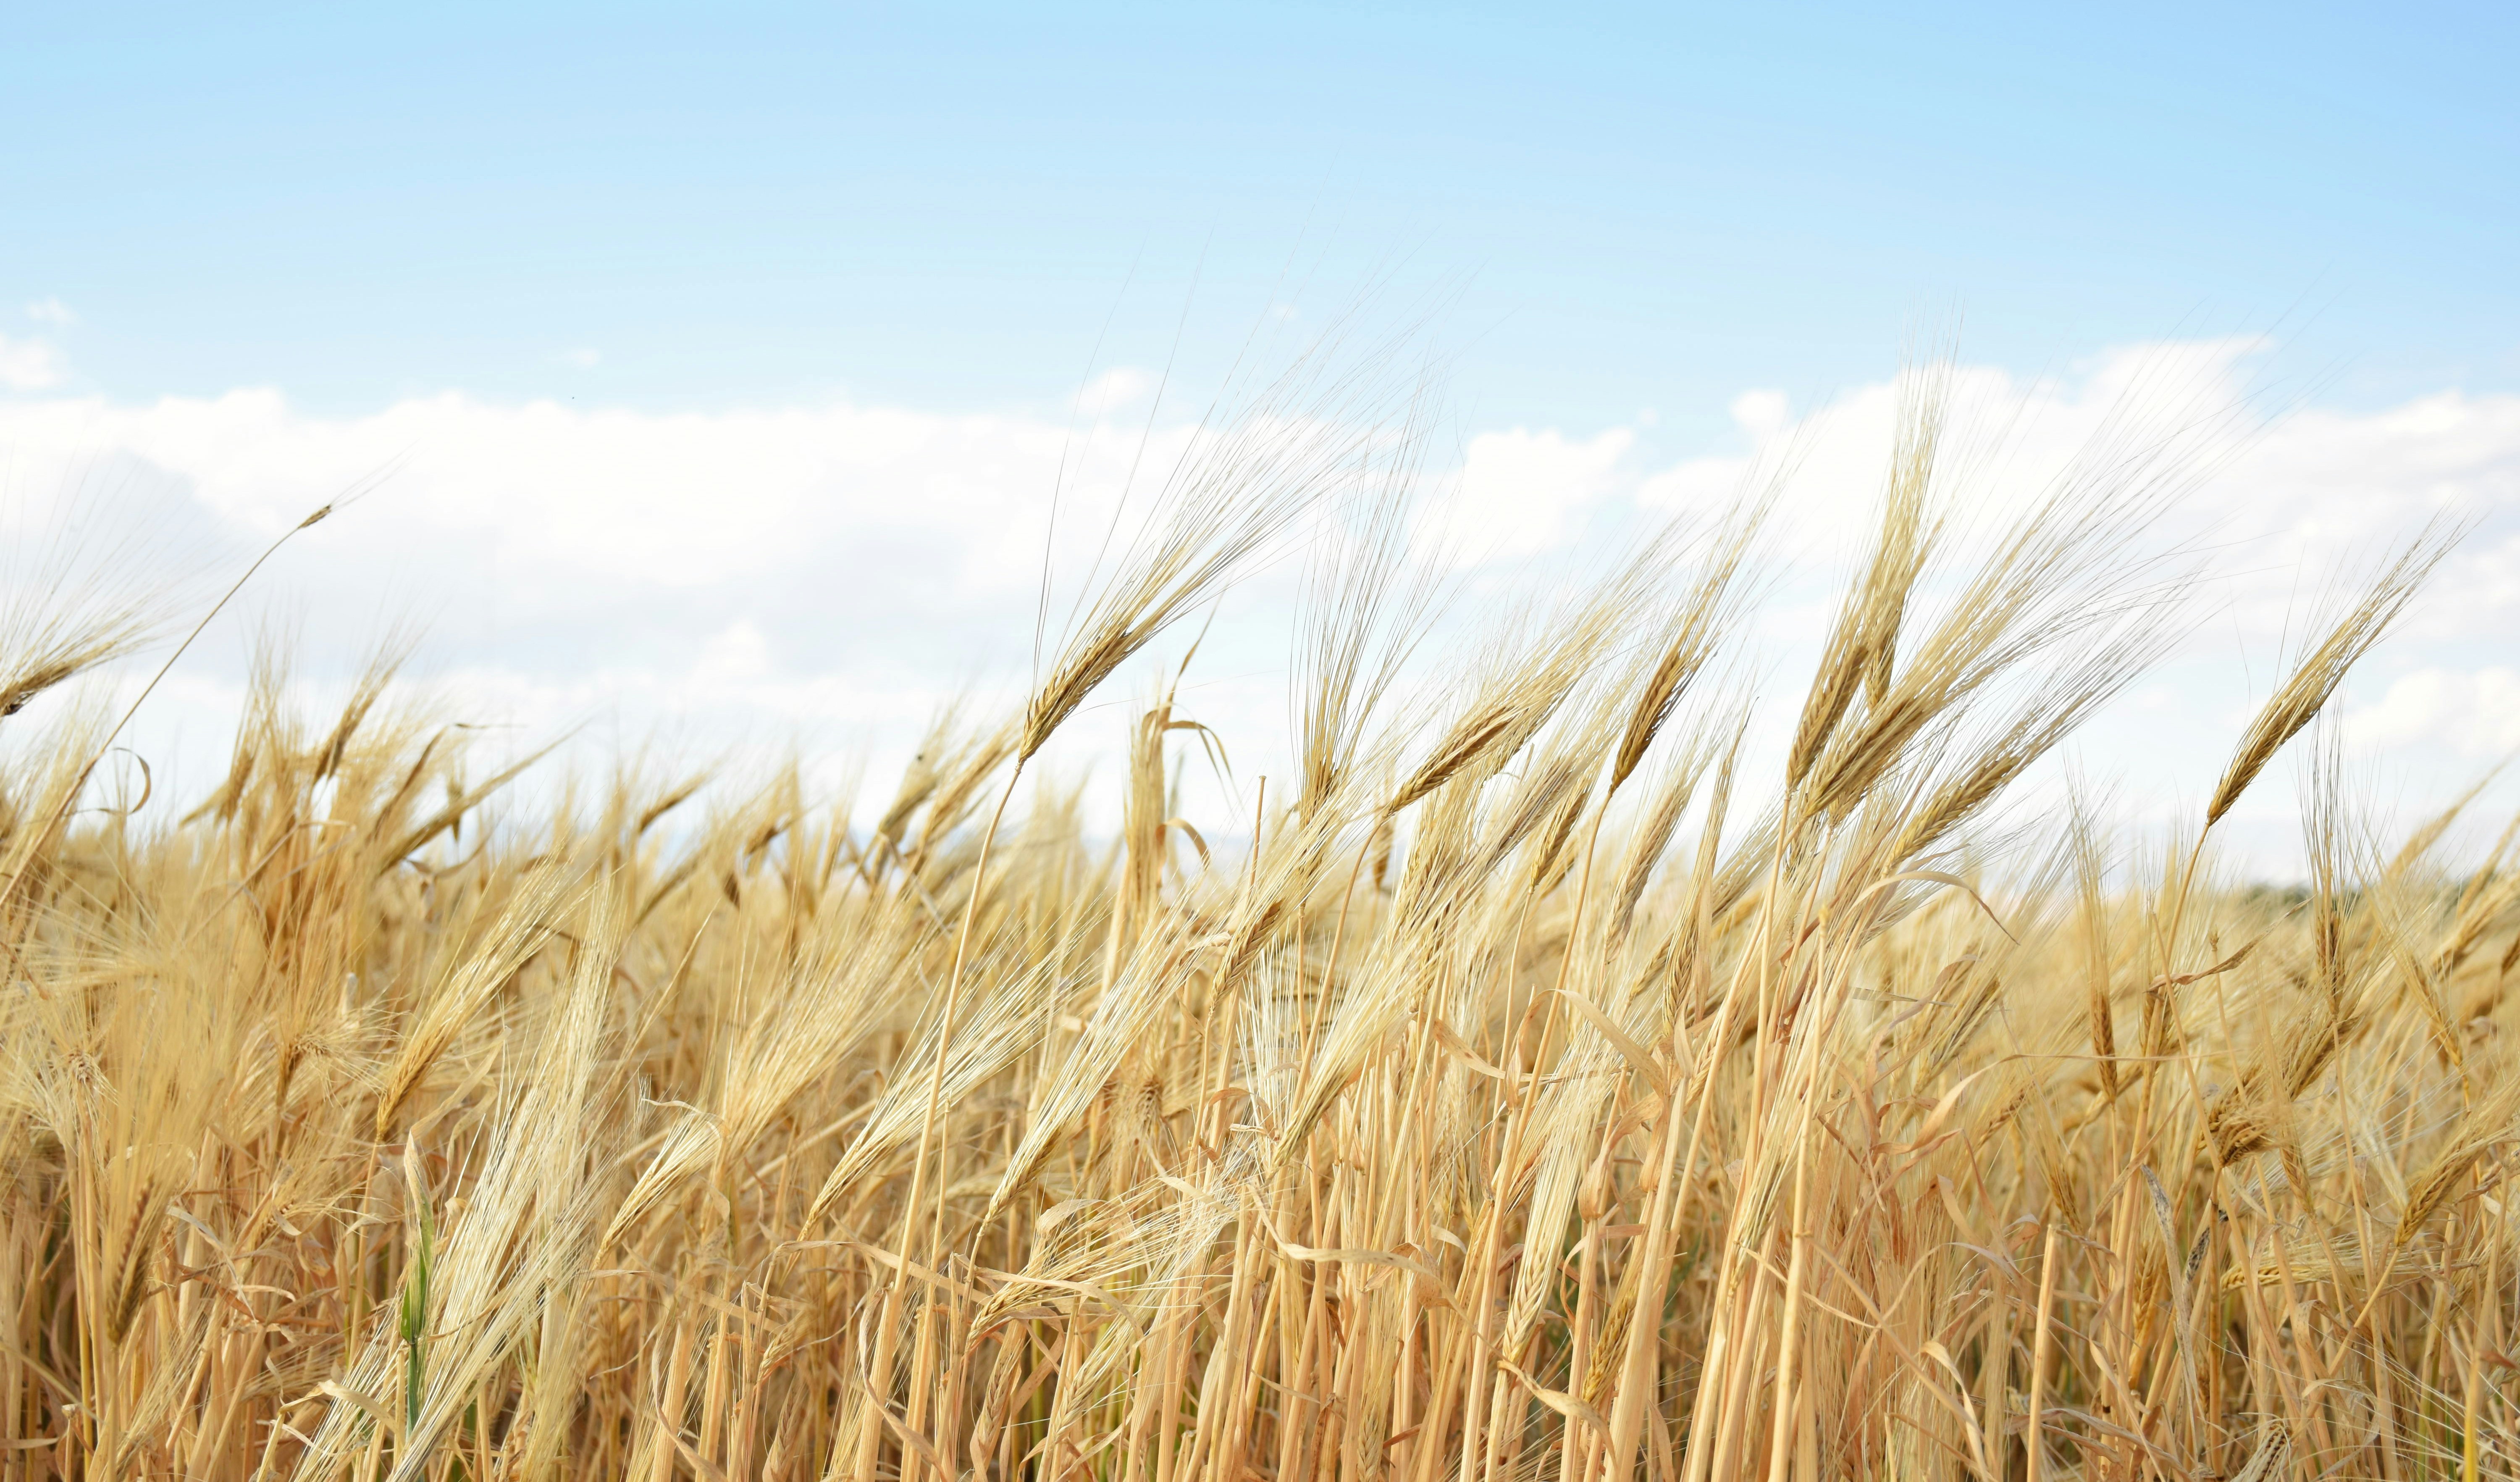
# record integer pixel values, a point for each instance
(2091, 880)
(2314, 681)
(2485, 1124)
(1863, 640)
(2272, 1454)
(1696, 633)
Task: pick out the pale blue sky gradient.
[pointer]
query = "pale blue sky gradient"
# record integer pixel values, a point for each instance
(1651, 206)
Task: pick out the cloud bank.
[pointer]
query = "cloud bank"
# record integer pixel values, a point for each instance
(825, 575)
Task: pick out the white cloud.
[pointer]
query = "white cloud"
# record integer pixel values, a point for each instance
(29, 365)
(1760, 414)
(740, 654)
(2475, 713)
(556, 496)
(585, 358)
(832, 570)
(1522, 492)
(1117, 387)
(878, 547)
(52, 311)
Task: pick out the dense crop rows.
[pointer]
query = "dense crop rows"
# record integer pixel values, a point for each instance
(1529, 1101)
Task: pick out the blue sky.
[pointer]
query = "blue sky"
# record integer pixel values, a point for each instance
(725, 356)
(1623, 209)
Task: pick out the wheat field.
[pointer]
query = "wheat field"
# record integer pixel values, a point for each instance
(1534, 1086)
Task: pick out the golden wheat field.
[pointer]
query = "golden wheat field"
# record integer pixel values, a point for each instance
(1539, 1097)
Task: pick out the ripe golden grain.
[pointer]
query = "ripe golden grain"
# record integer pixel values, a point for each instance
(708, 1132)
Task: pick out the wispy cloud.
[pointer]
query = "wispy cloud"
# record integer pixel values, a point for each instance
(52, 311)
(29, 365)
(1115, 389)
